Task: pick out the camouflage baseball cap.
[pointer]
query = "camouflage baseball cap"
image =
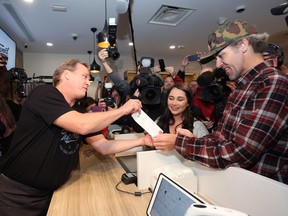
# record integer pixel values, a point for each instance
(224, 35)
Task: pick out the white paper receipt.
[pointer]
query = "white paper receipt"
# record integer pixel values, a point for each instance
(147, 123)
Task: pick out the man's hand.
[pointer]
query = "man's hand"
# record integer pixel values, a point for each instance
(165, 141)
(147, 139)
(185, 132)
(131, 106)
(231, 85)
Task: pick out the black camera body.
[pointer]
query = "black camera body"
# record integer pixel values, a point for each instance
(213, 85)
(109, 102)
(113, 52)
(20, 77)
(107, 39)
(149, 86)
(18, 74)
(214, 90)
(112, 49)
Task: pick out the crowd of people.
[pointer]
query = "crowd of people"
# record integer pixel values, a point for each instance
(233, 115)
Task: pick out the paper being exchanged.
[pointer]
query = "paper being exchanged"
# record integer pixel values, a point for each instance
(147, 123)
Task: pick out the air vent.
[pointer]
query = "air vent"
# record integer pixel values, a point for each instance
(170, 15)
(59, 8)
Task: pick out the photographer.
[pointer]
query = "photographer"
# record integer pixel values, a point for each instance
(145, 86)
(120, 84)
(211, 96)
(111, 97)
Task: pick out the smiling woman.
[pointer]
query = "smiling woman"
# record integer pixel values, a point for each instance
(178, 113)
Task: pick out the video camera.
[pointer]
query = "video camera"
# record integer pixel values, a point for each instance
(107, 39)
(273, 50)
(149, 84)
(19, 75)
(213, 84)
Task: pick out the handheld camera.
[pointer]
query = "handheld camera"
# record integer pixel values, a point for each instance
(107, 39)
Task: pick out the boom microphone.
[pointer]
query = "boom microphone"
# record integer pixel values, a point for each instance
(122, 6)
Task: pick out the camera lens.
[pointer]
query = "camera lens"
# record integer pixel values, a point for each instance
(150, 94)
(113, 53)
(109, 102)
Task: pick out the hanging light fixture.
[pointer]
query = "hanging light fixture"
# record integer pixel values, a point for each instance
(102, 37)
(106, 39)
(94, 67)
(91, 79)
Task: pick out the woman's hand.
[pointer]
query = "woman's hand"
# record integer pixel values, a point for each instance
(165, 141)
(185, 132)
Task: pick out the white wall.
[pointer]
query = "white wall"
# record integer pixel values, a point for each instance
(44, 64)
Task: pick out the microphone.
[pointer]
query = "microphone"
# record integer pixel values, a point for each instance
(122, 6)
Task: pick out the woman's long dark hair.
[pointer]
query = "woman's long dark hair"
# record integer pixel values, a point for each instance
(167, 118)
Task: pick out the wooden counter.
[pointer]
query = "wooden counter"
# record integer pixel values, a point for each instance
(91, 191)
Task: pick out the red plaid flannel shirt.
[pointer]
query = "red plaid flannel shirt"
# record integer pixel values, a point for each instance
(253, 132)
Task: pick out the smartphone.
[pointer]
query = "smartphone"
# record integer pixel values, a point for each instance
(98, 109)
(195, 57)
(161, 64)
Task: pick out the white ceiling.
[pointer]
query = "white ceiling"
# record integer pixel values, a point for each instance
(150, 40)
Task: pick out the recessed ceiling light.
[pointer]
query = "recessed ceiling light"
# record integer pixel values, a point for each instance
(172, 47)
(221, 20)
(49, 44)
(130, 44)
(240, 9)
(29, 1)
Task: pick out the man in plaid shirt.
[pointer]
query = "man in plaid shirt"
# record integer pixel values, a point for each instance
(253, 132)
